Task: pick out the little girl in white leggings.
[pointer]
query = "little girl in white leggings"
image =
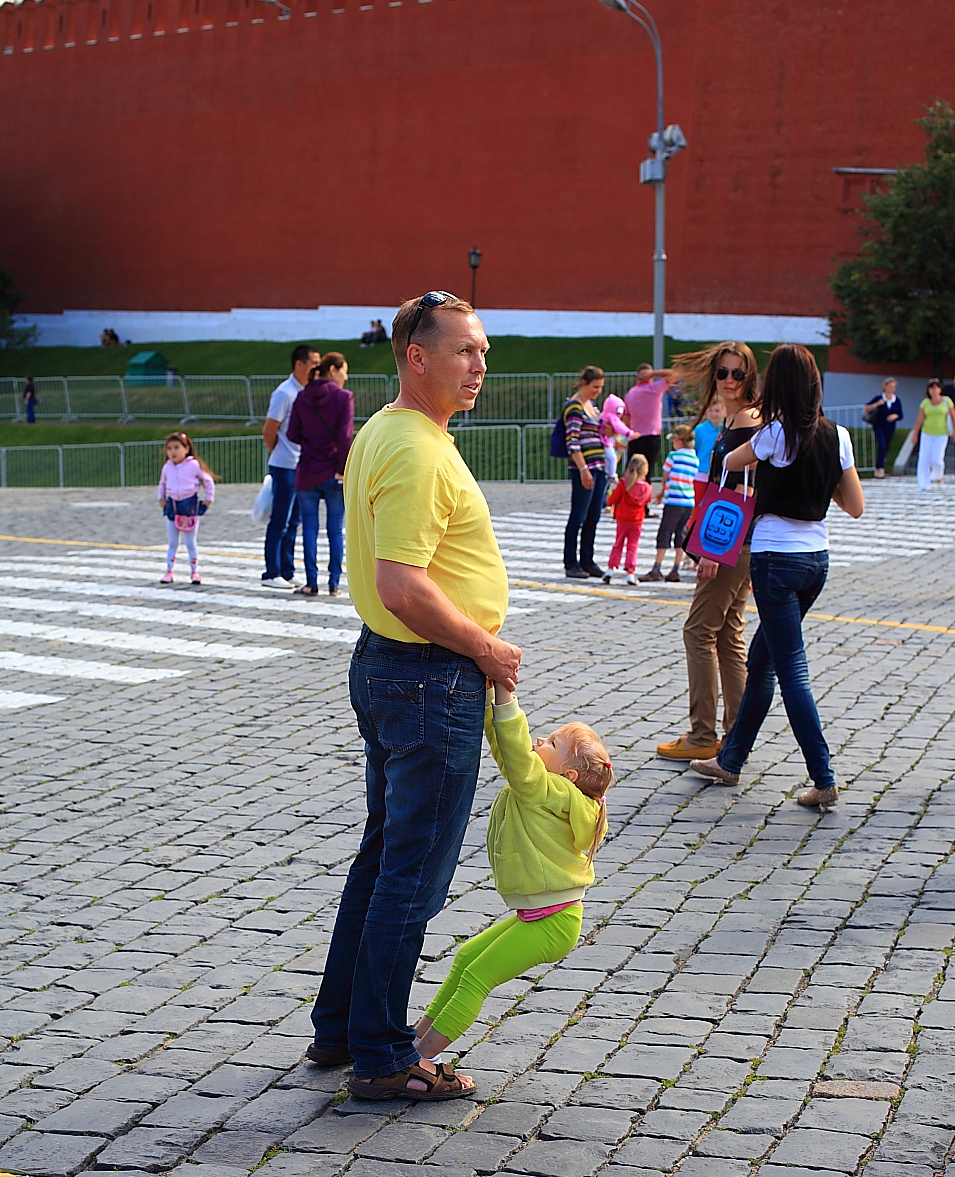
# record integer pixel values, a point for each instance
(183, 474)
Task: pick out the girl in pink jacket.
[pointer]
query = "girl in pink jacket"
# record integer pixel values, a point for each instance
(614, 433)
(183, 476)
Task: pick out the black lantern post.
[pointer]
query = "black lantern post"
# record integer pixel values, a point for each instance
(474, 260)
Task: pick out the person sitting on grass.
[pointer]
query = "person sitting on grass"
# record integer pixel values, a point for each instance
(546, 824)
(676, 494)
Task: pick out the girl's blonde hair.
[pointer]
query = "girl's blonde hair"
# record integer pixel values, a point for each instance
(186, 444)
(637, 469)
(591, 761)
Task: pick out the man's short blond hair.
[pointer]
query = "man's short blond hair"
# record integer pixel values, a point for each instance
(428, 330)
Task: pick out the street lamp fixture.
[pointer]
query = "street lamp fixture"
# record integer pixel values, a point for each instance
(665, 142)
(474, 260)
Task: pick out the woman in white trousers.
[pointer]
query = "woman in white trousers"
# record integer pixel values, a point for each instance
(932, 426)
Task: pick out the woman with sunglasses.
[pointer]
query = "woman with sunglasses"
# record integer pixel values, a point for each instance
(804, 463)
(722, 375)
(586, 464)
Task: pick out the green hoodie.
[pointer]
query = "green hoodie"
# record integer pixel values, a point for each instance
(542, 826)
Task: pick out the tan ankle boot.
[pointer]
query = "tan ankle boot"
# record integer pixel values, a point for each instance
(824, 798)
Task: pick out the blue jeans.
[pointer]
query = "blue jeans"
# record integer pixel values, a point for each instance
(585, 508)
(420, 709)
(334, 496)
(785, 585)
(280, 533)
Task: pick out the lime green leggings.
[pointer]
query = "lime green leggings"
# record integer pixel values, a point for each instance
(498, 954)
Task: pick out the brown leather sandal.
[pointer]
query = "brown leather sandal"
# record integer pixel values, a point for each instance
(441, 1086)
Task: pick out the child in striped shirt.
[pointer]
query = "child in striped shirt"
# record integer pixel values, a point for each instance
(676, 494)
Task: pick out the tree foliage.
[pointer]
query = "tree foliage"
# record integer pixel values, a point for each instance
(11, 335)
(898, 295)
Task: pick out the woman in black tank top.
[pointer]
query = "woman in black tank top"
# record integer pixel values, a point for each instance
(804, 462)
(713, 631)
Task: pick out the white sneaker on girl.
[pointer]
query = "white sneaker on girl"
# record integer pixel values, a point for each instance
(166, 577)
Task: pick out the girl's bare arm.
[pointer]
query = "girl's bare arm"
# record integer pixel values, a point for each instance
(739, 458)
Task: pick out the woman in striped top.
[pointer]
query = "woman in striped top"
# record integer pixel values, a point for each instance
(588, 477)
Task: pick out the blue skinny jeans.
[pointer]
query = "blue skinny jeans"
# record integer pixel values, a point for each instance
(585, 508)
(785, 585)
(334, 496)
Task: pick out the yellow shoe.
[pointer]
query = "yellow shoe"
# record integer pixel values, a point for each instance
(681, 750)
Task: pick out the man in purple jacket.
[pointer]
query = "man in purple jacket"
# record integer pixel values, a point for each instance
(322, 422)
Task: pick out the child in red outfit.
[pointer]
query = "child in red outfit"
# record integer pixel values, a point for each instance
(628, 500)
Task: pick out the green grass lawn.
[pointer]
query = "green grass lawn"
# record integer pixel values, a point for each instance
(509, 353)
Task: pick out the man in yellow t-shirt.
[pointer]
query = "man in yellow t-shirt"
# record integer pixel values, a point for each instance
(426, 576)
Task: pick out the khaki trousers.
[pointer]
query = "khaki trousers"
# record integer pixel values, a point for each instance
(715, 649)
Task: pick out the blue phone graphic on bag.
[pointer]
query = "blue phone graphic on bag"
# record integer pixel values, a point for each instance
(721, 526)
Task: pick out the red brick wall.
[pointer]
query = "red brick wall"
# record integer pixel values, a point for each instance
(356, 156)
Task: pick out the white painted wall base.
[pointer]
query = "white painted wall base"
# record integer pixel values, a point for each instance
(82, 328)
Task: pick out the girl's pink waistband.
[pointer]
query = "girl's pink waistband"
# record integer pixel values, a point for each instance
(528, 915)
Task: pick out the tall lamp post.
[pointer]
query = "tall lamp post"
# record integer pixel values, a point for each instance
(665, 142)
(474, 260)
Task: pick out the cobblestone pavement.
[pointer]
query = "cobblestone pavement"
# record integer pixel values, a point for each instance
(758, 988)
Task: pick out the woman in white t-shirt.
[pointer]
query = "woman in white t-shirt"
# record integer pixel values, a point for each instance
(805, 462)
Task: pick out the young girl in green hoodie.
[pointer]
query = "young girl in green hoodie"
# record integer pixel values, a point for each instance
(546, 824)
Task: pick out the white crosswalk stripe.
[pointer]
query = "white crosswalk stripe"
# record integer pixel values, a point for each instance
(11, 699)
(115, 571)
(899, 522)
(81, 668)
(141, 643)
(265, 602)
(137, 618)
(253, 626)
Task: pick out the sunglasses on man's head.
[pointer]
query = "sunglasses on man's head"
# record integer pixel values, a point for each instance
(738, 374)
(434, 298)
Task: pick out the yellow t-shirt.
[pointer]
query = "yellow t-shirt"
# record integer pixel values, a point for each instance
(409, 497)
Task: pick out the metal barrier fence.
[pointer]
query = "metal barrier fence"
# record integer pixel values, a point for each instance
(163, 400)
(503, 451)
(516, 397)
(67, 398)
(494, 453)
(370, 391)
(565, 384)
(217, 398)
(539, 466)
(170, 398)
(129, 463)
(863, 439)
